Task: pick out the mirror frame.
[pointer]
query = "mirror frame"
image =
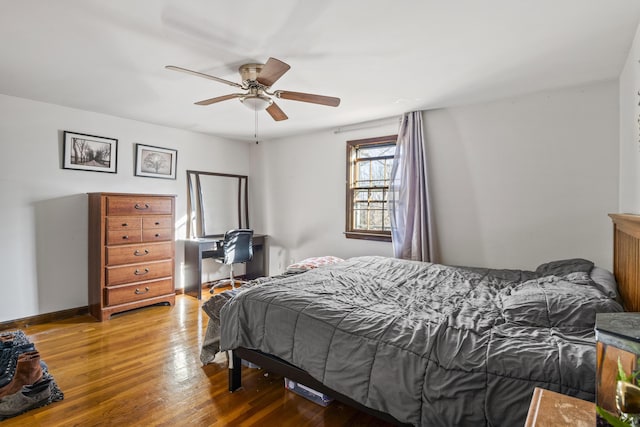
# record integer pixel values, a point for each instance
(195, 208)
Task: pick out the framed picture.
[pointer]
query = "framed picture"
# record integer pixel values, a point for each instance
(156, 162)
(90, 153)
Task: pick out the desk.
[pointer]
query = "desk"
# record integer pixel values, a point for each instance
(197, 249)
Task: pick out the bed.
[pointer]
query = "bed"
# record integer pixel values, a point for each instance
(426, 344)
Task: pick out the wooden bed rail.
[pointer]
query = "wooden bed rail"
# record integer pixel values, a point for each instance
(626, 258)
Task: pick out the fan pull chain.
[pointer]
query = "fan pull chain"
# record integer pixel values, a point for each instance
(255, 135)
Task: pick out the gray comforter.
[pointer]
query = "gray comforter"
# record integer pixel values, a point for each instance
(430, 344)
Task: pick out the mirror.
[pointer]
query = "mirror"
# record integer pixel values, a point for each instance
(216, 203)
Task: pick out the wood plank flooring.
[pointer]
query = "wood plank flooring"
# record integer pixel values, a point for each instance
(143, 368)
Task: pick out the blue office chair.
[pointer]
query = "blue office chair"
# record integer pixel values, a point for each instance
(237, 248)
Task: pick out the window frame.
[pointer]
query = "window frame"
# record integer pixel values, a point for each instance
(350, 232)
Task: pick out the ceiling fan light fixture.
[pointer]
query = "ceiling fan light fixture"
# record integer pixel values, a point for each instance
(256, 102)
(257, 80)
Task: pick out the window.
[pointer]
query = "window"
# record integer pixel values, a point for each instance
(369, 163)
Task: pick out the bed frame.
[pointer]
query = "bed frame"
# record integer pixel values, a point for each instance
(626, 268)
(278, 366)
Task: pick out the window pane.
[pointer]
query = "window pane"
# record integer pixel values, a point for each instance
(377, 170)
(387, 220)
(387, 170)
(376, 151)
(360, 219)
(363, 175)
(361, 195)
(377, 195)
(375, 220)
(377, 206)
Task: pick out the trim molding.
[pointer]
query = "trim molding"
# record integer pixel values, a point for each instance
(43, 318)
(51, 317)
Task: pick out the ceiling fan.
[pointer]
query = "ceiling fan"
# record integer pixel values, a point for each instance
(257, 80)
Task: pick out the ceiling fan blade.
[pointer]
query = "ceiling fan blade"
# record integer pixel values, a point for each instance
(272, 71)
(275, 112)
(219, 98)
(206, 76)
(308, 97)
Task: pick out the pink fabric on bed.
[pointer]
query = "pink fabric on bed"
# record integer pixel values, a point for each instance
(313, 262)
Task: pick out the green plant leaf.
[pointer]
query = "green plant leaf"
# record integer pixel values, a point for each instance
(636, 376)
(611, 419)
(622, 375)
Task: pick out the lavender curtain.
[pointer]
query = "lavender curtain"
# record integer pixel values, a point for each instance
(409, 205)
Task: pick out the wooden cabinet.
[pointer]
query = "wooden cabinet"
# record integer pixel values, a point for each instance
(131, 252)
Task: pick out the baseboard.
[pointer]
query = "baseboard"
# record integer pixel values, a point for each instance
(51, 317)
(43, 318)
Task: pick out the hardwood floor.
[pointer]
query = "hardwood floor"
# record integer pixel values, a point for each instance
(143, 368)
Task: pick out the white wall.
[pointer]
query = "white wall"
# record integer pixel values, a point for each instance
(526, 180)
(630, 130)
(303, 186)
(43, 218)
(515, 183)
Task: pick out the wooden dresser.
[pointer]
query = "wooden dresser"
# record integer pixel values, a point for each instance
(131, 252)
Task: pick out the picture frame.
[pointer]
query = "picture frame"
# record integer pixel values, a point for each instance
(156, 162)
(89, 152)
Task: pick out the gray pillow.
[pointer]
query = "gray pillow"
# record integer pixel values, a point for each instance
(606, 282)
(564, 267)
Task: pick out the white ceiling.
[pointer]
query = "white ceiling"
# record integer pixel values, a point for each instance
(381, 57)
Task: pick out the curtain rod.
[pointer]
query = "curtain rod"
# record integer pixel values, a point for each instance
(367, 124)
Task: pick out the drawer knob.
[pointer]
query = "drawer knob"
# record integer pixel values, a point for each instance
(125, 237)
(125, 224)
(139, 292)
(157, 223)
(138, 253)
(157, 235)
(141, 207)
(141, 273)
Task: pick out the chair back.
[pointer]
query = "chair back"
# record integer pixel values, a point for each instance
(238, 246)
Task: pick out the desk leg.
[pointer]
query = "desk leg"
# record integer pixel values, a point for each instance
(193, 269)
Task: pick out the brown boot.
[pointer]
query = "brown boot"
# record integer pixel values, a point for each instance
(28, 371)
(6, 337)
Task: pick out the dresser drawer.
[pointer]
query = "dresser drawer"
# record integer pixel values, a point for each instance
(138, 291)
(156, 234)
(119, 205)
(139, 253)
(138, 272)
(163, 221)
(124, 223)
(121, 237)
